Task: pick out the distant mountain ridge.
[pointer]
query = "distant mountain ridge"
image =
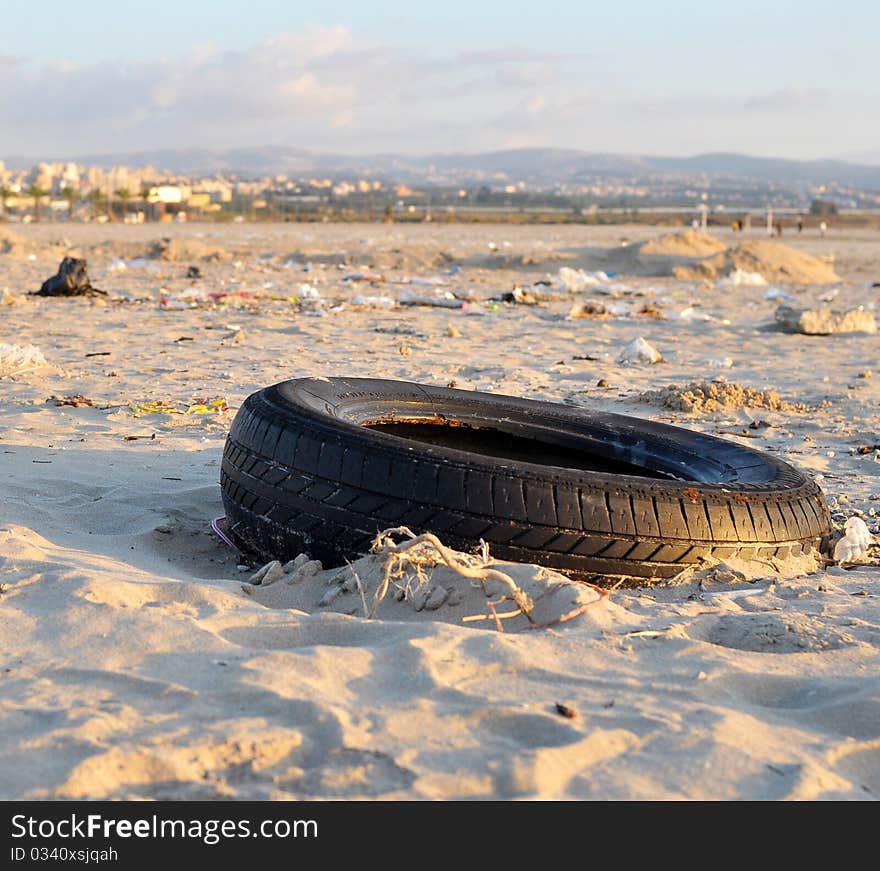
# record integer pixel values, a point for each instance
(531, 165)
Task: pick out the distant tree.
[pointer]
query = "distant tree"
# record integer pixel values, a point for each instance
(36, 193)
(98, 199)
(145, 196)
(71, 196)
(5, 194)
(823, 207)
(124, 195)
(484, 194)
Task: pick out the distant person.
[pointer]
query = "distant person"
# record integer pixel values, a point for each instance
(779, 229)
(695, 224)
(823, 228)
(800, 225)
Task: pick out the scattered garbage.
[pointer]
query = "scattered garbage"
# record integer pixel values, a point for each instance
(742, 278)
(517, 296)
(75, 400)
(692, 313)
(444, 300)
(856, 540)
(573, 280)
(120, 265)
(824, 321)
(775, 293)
(307, 292)
(374, 301)
(18, 359)
(589, 309)
(720, 362)
(72, 279)
(592, 308)
(160, 406)
(639, 351)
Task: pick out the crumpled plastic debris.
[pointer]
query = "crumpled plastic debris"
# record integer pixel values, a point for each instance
(307, 291)
(574, 280)
(72, 279)
(720, 362)
(692, 313)
(855, 542)
(776, 293)
(374, 301)
(442, 300)
(639, 351)
(160, 406)
(120, 265)
(18, 359)
(742, 278)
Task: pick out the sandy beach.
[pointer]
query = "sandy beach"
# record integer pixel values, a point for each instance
(138, 662)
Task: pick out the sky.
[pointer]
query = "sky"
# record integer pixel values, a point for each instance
(782, 79)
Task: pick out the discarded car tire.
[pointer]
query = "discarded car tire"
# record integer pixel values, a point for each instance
(320, 465)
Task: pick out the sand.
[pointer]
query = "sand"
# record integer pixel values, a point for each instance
(139, 662)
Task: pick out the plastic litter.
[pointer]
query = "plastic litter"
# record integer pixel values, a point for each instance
(160, 406)
(445, 300)
(691, 313)
(776, 293)
(855, 542)
(742, 278)
(374, 301)
(639, 351)
(573, 280)
(72, 279)
(307, 291)
(120, 265)
(18, 359)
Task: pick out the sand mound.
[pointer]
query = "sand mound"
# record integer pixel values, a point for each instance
(178, 250)
(708, 396)
(420, 578)
(413, 258)
(777, 262)
(695, 256)
(12, 244)
(688, 244)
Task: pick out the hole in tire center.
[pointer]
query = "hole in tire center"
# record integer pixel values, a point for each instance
(491, 442)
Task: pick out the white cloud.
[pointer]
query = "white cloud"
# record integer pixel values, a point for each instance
(327, 88)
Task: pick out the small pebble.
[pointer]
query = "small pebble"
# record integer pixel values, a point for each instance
(330, 596)
(257, 578)
(436, 598)
(420, 597)
(275, 573)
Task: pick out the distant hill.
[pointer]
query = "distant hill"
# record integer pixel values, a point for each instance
(532, 165)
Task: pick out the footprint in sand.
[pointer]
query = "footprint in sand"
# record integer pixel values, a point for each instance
(844, 707)
(770, 633)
